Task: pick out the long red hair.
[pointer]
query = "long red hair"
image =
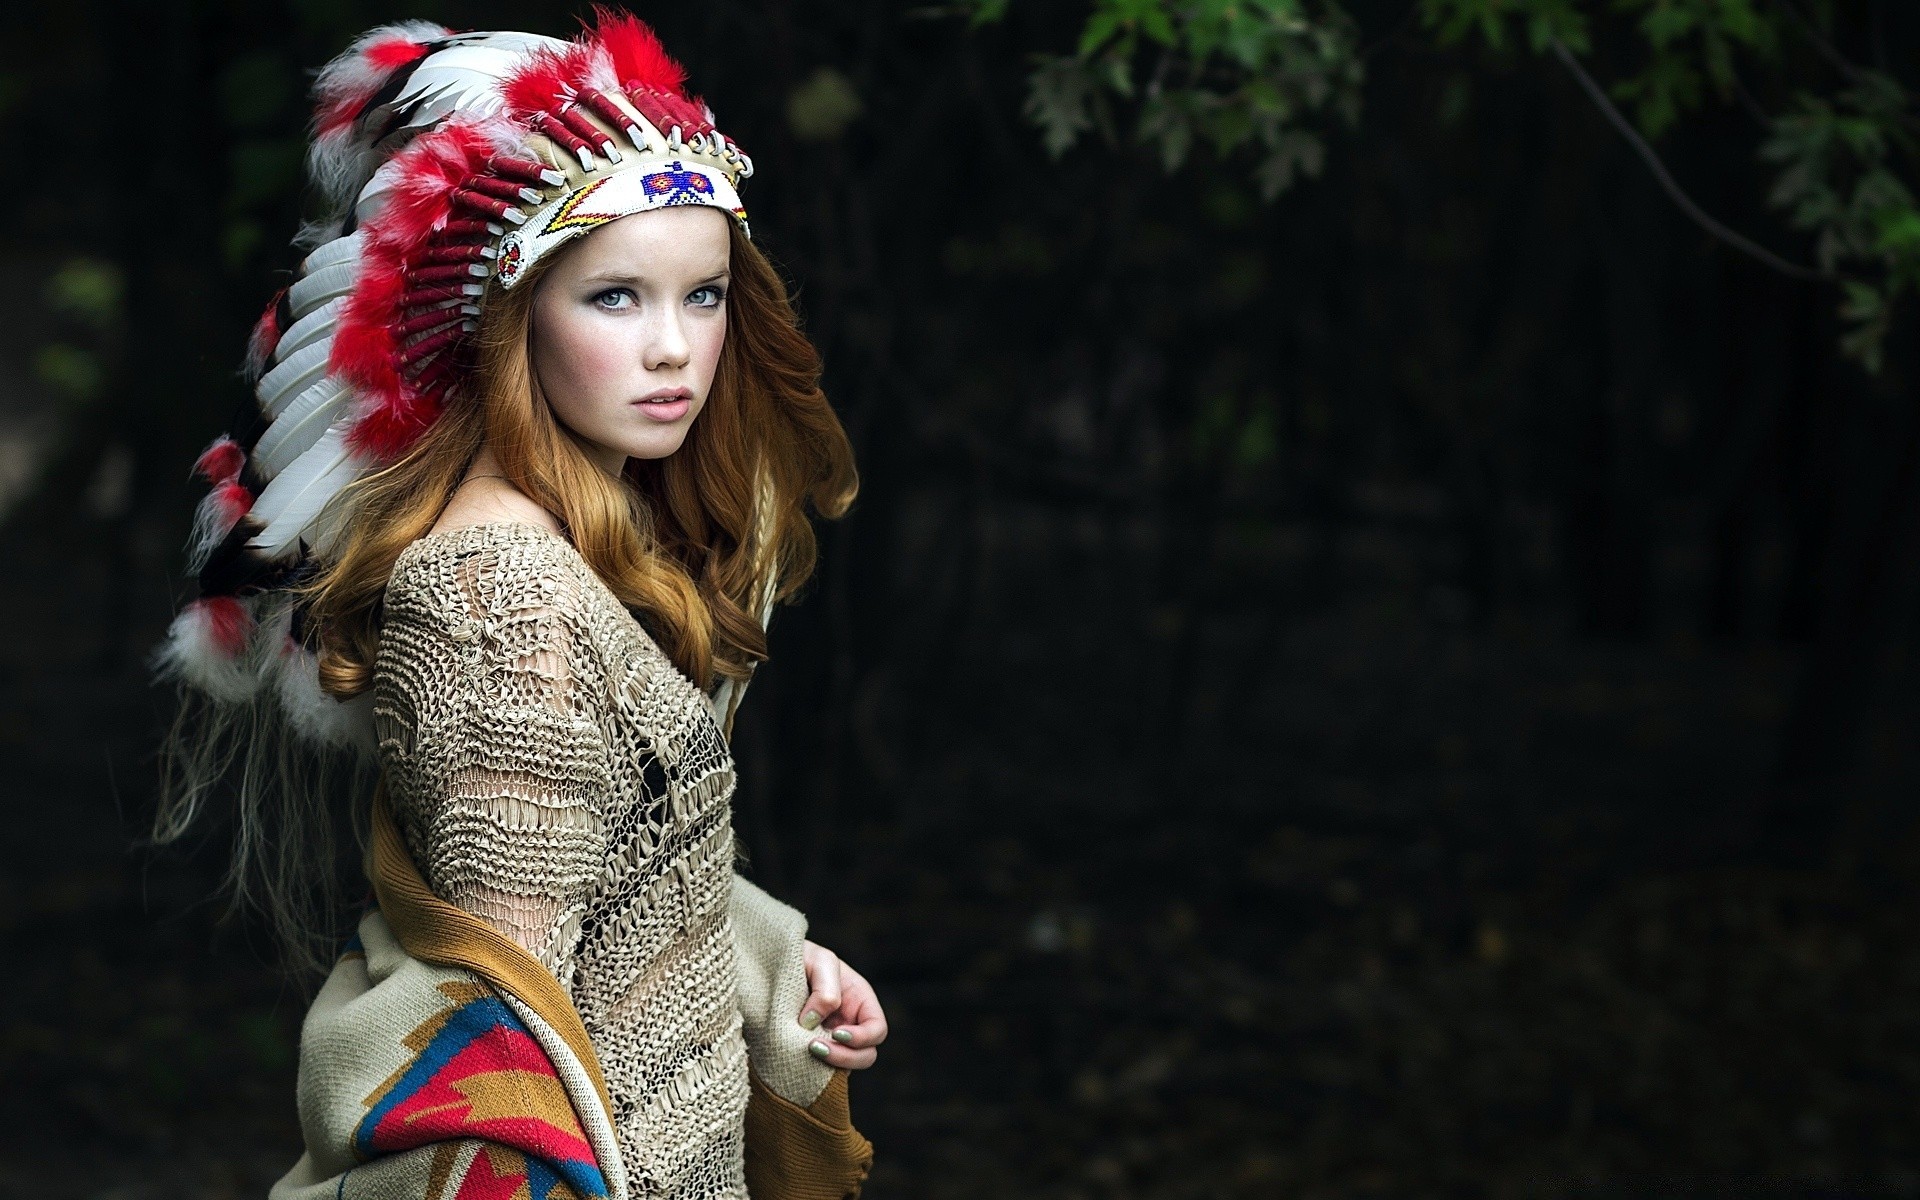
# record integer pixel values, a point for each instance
(696, 544)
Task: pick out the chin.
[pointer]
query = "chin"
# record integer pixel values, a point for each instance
(663, 444)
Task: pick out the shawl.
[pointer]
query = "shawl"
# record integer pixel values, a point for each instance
(442, 1061)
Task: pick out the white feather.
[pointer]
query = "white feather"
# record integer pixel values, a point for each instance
(328, 283)
(314, 715)
(351, 71)
(480, 100)
(191, 655)
(313, 327)
(295, 431)
(339, 250)
(466, 78)
(278, 387)
(339, 162)
(494, 56)
(297, 495)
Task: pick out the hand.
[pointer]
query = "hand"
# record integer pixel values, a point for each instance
(841, 1006)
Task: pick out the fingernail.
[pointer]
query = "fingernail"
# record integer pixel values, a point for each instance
(843, 1036)
(809, 1020)
(818, 1049)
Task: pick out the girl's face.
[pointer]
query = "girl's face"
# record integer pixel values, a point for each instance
(627, 330)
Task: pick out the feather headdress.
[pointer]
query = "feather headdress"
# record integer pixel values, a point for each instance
(449, 164)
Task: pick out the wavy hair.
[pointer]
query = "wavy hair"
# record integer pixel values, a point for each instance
(697, 545)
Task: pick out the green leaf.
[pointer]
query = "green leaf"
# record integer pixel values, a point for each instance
(1059, 97)
(1899, 232)
(986, 12)
(1156, 25)
(1293, 150)
(1099, 31)
(1163, 121)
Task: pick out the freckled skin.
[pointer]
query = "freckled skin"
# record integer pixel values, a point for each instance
(633, 307)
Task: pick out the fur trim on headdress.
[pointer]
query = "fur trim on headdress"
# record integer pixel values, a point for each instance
(206, 648)
(314, 715)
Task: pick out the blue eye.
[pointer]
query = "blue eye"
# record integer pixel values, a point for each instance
(712, 297)
(614, 299)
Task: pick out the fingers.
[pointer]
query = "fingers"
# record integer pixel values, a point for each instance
(843, 1006)
(824, 970)
(843, 1056)
(860, 1023)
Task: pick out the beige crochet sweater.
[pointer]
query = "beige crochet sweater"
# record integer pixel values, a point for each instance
(552, 772)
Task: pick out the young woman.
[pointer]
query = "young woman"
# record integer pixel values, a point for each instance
(537, 439)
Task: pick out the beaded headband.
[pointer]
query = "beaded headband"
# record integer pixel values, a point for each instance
(452, 162)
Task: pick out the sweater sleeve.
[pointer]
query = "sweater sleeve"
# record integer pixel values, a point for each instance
(772, 976)
(488, 701)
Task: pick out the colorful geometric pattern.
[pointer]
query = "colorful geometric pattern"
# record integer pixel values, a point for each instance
(477, 1072)
(569, 216)
(679, 185)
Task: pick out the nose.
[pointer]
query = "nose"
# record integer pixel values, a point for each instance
(667, 347)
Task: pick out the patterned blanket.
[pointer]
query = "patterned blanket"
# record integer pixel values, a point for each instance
(441, 1061)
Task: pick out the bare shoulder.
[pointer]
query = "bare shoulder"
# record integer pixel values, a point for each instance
(485, 500)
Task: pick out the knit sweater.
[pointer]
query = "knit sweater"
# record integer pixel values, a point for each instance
(552, 772)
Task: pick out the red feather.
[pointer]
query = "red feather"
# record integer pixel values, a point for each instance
(362, 79)
(234, 501)
(366, 348)
(266, 335)
(220, 462)
(639, 60)
(426, 173)
(548, 77)
(385, 431)
(395, 53)
(226, 621)
(363, 346)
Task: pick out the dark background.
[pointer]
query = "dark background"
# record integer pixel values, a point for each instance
(1403, 691)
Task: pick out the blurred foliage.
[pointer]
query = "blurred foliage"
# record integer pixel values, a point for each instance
(820, 109)
(1242, 76)
(1842, 160)
(89, 295)
(1264, 74)
(89, 289)
(71, 371)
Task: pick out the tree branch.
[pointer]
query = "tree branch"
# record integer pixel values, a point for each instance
(1619, 121)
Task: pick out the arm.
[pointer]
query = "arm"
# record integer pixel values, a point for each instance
(495, 757)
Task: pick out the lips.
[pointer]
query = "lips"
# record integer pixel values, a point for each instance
(669, 404)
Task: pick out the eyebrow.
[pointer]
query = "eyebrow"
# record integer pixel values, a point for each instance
(607, 277)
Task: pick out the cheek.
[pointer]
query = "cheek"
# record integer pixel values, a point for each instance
(574, 355)
(707, 344)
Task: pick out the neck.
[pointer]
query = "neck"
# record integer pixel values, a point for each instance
(613, 462)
